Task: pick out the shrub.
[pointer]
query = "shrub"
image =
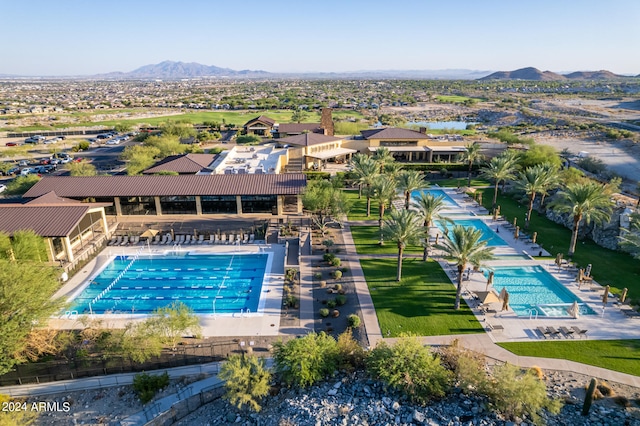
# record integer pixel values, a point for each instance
(337, 274)
(350, 353)
(332, 303)
(324, 312)
(344, 269)
(516, 392)
(305, 361)
(341, 299)
(605, 389)
(335, 261)
(410, 367)
(468, 367)
(323, 284)
(337, 287)
(248, 140)
(353, 321)
(317, 275)
(246, 381)
(83, 145)
(291, 301)
(328, 257)
(147, 386)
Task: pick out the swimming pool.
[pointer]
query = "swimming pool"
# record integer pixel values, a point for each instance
(488, 234)
(533, 288)
(448, 201)
(226, 283)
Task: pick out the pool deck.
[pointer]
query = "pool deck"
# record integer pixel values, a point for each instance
(265, 323)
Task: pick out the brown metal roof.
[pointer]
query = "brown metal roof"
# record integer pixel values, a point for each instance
(46, 221)
(308, 139)
(298, 127)
(392, 133)
(162, 185)
(261, 119)
(183, 163)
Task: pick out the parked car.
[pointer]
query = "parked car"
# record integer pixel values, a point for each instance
(40, 169)
(103, 136)
(50, 141)
(38, 137)
(32, 141)
(11, 144)
(23, 163)
(26, 171)
(13, 171)
(113, 142)
(2, 188)
(45, 161)
(54, 161)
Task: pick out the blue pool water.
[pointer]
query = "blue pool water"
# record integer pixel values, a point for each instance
(449, 202)
(531, 287)
(488, 234)
(233, 281)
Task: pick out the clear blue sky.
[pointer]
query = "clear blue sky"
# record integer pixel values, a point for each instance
(78, 37)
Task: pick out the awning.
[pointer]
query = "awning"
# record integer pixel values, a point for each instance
(448, 149)
(402, 148)
(331, 153)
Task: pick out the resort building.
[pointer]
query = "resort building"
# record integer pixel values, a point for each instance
(262, 159)
(259, 126)
(311, 150)
(183, 164)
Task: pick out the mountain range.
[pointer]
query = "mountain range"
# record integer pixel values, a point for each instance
(172, 70)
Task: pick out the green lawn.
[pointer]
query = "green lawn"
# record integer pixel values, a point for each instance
(420, 304)
(367, 238)
(460, 182)
(617, 355)
(359, 207)
(619, 270)
(454, 99)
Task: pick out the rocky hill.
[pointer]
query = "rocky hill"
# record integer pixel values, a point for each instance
(171, 70)
(535, 74)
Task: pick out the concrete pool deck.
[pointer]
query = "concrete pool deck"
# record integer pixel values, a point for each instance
(265, 323)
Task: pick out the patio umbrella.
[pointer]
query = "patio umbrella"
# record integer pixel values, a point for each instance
(515, 220)
(490, 279)
(574, 310)
(149, 233)
(503, 293)
(173, 235)
(559, 259)
(505, 301)
(623, 297)
(605, 296)
(496, 213)
(516, 234)
(487, 297)
(534, 237)
(479, 197)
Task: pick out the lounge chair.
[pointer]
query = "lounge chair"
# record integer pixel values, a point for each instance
(580, 332)
(125, 240)
(135, 239)
(238, 238)
(156, 240)
(245, 240)
(545, 331)
(630, 313)
(187, 239)
(223, 239)
(553, 332)
(232, 239)
(541, 332)
(113, 241)
(495, 327)
(252, 238)
(566, 332)
(215, 239)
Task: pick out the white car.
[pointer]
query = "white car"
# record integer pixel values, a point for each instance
(113, 142)
(50, 141)
(2, 188)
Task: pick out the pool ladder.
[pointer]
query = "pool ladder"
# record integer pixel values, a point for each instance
(115, 281)
(531, 311)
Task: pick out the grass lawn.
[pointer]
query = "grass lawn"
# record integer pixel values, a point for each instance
(359, 207)
(619, 270)
(454, 99)
(420, 304)
(366, 239)
(460, 182)
(617, 355)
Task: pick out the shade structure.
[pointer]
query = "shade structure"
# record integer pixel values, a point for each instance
(605, 295)
(515, 220)
(516, 234)
(488, 297)
(574, 310)
(534, 237)
(150, 233)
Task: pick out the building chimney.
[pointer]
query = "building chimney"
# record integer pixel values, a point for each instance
(326, 121)
(423, 130)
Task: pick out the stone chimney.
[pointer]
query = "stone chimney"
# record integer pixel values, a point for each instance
(326, 121)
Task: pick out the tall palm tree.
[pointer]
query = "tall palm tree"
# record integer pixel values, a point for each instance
(429, 207)
(465, 246)
(366, 171)
(409, 181)
(498, 169)
(532, 181)
(551, 180)
(403, 227)
(589, 201)
(384, 192)
(383, 157)
(472, 156)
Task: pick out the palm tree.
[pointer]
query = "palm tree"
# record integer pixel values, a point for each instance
(588, 201)
(472, 156)
(498, 169)
(429, 207)
(551, 180)
(532, 182)
(384, 191)
(383, 157)
(409, 181)
(465, 246)
(630, 238)
(404, 227)
(366, 171)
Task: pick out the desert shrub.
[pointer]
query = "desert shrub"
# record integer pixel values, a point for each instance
(246, 381)
(592, 164)
(350, 353)
(622, 401)
(248, 140)
(305, 361)
(341, 299)
(323, 284)
(324, 312)
(147, 386)
(411, 368)
(537, 371)
(468, 367)
(337, 274)
(328, 257)
(16, 417)
(291, 301)
(331, 304)
(337, 287)
(353, 320)
(335, 262)
(344, 270)
(317, 275)
(605, 389)
(516, 392)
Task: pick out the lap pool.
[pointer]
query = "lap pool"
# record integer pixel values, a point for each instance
(488, 234)
(448, 201)
(533, 290)
(207, 283)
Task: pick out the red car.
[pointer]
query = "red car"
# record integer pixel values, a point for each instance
(11, 144)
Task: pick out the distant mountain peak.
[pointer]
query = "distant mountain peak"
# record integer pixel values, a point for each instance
(172, 70)
(531, 73)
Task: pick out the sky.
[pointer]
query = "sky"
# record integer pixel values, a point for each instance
(80, 37)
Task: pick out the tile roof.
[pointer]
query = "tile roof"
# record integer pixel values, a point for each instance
(262, 119)
(44, 220)
(163, 185)
(308, 139)
(298, 127)
(183, 163)
(392, 133)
